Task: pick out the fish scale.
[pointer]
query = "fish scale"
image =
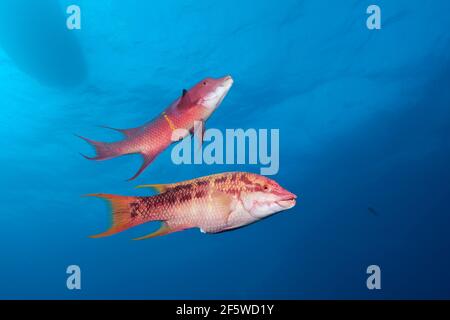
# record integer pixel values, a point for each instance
(149, 140)
(213, 204)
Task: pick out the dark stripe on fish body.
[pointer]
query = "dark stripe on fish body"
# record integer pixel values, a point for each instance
(202, 182)
(245, 179)
(221, 180)
(200, 194)
(181, 188)
(140, 208)
(185, 197)
(170, 198)
(157, 200)
(147, 204)
(134, 206)
(184, 187)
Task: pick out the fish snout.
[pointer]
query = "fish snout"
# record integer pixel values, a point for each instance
(226, 81)
(287, 199)
(286, 195)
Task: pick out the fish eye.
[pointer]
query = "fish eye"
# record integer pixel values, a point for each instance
(204, 83)
(266, 187)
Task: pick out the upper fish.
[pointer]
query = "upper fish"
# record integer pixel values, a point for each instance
(149, 140)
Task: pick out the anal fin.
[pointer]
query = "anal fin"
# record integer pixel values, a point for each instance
(148, 158)
(163, 230)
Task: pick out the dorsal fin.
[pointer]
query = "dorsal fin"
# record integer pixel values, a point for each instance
(163, 187)
(185, 100)
(160, 188)
(126, 132)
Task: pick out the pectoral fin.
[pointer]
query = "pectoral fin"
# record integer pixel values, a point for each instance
(223, 206)
(198, 132)
(201, 134)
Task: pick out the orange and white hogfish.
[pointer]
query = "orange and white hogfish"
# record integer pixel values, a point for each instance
(149, 140)
(215, 203)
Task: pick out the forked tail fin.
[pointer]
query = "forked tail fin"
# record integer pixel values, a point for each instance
(121, 217)
(103, 150)
(109, 150)
(120, 213)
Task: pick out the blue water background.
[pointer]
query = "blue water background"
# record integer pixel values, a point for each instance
(364, 119)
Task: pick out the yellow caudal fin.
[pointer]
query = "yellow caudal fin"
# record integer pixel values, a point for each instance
(120, 213)
(163, 230)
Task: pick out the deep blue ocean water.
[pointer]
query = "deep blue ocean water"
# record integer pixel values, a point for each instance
(364, 119)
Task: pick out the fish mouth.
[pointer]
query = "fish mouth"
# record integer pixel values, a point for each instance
(287, 201)
(287, 204)
(221, 91)
(226, 82)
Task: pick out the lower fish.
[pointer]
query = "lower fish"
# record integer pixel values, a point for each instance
(214, 203)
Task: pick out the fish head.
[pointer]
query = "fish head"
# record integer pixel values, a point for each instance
(210, 92)
(263, 197)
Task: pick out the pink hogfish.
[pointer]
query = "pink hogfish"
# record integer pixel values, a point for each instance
(149, 140)
(215, 203)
